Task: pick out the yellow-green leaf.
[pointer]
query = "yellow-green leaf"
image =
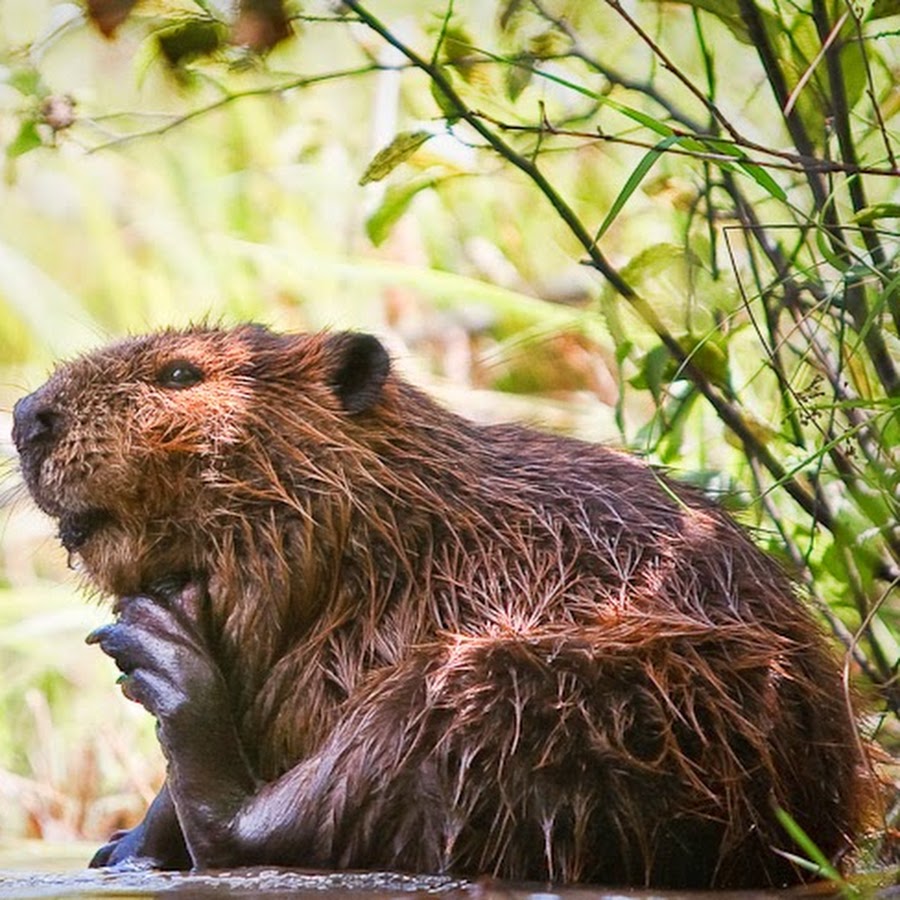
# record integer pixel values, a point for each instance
(448, 106)
(396, 201)
(397, 151)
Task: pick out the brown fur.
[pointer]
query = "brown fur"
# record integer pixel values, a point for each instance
(595, 673)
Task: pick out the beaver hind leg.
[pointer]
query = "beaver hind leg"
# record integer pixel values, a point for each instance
(639, 754)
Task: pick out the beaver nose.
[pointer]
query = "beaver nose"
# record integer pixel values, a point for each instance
(35, 421)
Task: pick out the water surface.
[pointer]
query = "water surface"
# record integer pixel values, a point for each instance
(39, 872)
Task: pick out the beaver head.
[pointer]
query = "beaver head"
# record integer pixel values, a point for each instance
(136, 448)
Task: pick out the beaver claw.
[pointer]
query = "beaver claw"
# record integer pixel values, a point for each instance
(124, 850)
(158, 645)
(156, 843)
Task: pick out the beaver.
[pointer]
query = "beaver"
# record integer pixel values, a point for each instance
(375, 634)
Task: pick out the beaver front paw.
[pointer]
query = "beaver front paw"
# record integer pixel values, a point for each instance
(159, 646)
(158, 643)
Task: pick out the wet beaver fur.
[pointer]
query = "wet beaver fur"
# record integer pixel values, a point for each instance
(376, 634)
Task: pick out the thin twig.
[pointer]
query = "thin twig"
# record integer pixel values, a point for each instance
(675, 71)
(611, 75)
(801, 565)
(792, 162)
(873, 100)
(804, 78)
(769, 59)
(232, 96)
(831, 48)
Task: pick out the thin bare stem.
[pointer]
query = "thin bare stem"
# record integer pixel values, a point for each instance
(671, 67)
(233, 96)
(790, 162)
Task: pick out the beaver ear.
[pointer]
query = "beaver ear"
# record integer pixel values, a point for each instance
(359, 367)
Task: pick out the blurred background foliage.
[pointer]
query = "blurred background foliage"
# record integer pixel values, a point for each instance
(671, 226)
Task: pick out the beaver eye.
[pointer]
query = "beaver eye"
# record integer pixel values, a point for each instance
(179, 374)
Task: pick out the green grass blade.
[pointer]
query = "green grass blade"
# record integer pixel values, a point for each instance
(636, 177)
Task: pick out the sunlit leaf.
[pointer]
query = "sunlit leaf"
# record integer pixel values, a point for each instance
(548, 44)
(27, 81)
(517, 78)
(757, 172)
(387, 159)
(392, 207)
(823, 244)
(729, 13)
(763, 434)
(877, 211)
(764, 179)
(708, 357)
(457, 51)
(508, 12)
(636, 115)
(881, 9)
(656, 369)
(26, 139)
(640, 117)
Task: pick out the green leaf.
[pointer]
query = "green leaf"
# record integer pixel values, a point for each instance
(764, 180)
(28, 138)
(508, 12)
(395, 203)
(399, 150)
(637, 116)
(447, 105)
(631, 185)
(653, 260)
(755, 171)
(517, 78)
(27, 81)
(876, 211)
(881, 9)
(634, 114)
(820, 862)
(456, 50)
(656, 367)
(824, 246)
(708, 357)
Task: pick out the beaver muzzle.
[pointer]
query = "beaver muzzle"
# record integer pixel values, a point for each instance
(37, 425)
